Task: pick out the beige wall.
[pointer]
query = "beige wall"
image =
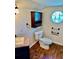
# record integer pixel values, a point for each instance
(47, 25)
(24, 17)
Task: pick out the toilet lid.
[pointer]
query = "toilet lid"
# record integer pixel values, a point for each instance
(46, 40)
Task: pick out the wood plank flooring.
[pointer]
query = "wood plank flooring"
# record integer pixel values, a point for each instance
(55, 52)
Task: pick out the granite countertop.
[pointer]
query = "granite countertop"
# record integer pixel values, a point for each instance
(21, 41)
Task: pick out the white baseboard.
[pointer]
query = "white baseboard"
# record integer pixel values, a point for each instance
(33, 44)
(58, 43)
(53, 42)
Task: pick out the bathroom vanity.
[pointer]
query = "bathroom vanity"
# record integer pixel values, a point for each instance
(22, 48)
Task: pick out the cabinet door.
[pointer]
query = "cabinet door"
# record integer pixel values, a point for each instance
(22, 53)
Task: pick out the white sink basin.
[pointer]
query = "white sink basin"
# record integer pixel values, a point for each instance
(19, 40)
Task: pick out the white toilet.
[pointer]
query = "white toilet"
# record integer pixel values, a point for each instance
(44, 42)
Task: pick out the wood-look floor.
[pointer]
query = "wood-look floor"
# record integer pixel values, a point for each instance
(55, 52)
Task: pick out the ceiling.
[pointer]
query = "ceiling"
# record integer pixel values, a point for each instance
(39, 3)
(49, 2)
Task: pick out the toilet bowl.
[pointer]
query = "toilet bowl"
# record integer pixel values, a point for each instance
(43, 41)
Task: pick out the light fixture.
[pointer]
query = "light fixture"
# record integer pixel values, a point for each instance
(16, 9)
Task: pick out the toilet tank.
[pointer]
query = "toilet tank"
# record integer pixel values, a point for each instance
(38, 35)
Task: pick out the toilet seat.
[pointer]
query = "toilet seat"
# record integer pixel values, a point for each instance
(46, 40)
